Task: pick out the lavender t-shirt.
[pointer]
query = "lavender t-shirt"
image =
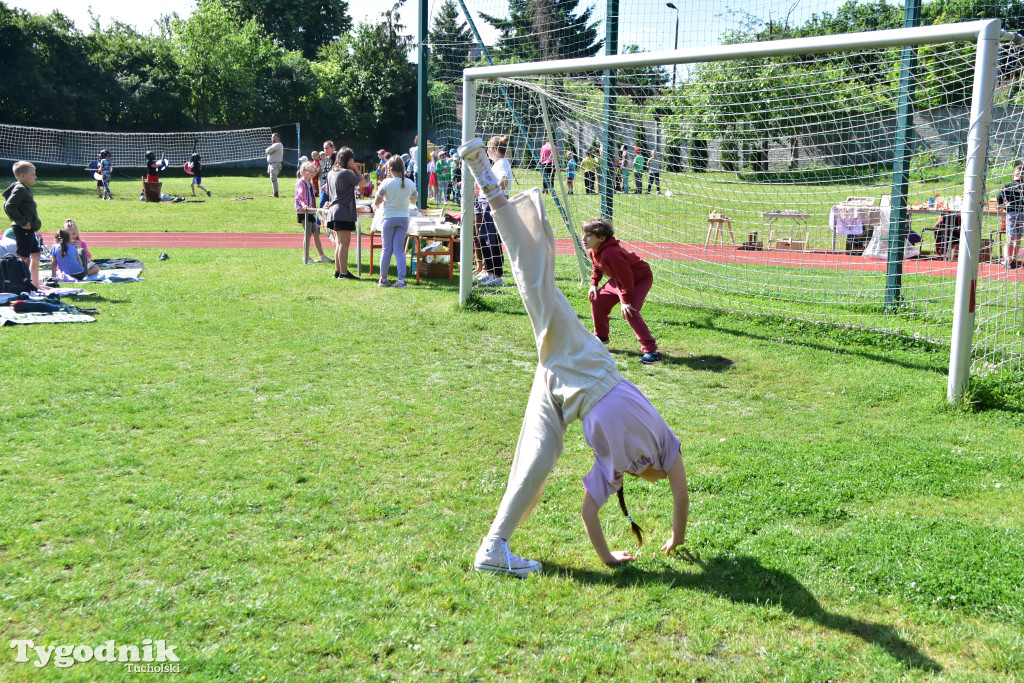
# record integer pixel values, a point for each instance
(627, 435)
(69, 263)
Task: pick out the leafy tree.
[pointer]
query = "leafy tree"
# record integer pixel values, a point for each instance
(367, 82)
(640, 84)
(140, 79)
(303, 25)
(450, 43)
(545, 29)
(48, 77)
(222, 63)
(949, 73)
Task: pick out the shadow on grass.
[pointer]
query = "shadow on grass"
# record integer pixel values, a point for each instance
(743, 579)
(837, 347)
(706, 363)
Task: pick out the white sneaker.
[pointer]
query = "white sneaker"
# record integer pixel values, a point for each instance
(480, 277)
(326, 259)
(489, 281)
(474, 153)
(494, 556)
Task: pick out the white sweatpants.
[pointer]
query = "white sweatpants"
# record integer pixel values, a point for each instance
(574, 369)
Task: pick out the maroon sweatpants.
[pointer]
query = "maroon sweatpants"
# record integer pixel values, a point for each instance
(605, 301)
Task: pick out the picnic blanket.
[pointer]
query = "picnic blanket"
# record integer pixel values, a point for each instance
(6, 298)
(65, 313)
(120, 275)
(118, 263)
(9, 317)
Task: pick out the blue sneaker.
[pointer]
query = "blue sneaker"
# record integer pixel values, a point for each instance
(650, 357)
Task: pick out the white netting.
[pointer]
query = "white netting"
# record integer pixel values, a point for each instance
(79, 148)
(791, 154)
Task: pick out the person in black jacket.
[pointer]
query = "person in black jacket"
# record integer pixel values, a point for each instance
(197, 174)
(1012, 197)
(20, 207)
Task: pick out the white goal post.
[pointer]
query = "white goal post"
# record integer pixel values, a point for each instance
(986, 34)
(79, 148)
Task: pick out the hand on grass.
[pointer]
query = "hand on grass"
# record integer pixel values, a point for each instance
(619, 557)
(592, 294)
(628, 311)
(671, 544)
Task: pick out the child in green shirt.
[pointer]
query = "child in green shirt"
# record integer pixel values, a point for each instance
(638, 170)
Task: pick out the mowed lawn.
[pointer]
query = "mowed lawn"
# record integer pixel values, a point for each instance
(286, 477)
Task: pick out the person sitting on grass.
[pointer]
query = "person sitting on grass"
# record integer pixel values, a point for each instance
(1012, 197)
(629, 280)
(67, 259)
(76, 238)
(305, 211)
(20, 207)
(576, 379)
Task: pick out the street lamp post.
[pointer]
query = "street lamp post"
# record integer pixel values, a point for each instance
(672, 6)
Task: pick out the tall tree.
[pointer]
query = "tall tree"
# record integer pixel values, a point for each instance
(303, 25)
(367, 84)
(545, 29)
(222, 62)
(139, 78)
(47, 76)
(450, 44)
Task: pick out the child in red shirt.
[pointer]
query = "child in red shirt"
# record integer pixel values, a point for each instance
(629, 280)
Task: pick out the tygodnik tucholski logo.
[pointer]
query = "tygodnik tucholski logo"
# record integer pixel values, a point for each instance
(153, 656)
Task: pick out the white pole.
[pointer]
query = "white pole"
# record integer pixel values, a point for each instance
(898, 37)
(466, 247)
(970, 215)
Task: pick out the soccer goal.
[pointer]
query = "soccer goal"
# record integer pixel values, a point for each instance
(837, 179)
(80, 148)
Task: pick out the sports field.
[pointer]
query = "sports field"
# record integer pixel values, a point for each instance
(286, 476)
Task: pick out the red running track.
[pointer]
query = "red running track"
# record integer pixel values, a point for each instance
(658, 250)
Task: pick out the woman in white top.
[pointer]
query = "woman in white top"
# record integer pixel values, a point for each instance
(394, 193)
(488, 239)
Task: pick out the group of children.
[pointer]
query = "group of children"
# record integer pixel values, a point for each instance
(588, 166)
(103, 169)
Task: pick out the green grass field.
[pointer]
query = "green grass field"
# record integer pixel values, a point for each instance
(286, 477)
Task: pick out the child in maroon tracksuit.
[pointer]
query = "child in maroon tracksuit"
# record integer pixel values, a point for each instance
(629, 280)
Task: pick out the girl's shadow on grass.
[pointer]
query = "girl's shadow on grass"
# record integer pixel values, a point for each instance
(743, 579)
(705, 362)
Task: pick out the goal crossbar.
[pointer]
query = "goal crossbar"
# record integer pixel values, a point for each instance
(985, 29)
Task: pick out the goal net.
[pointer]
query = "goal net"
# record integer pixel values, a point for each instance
(79, 148)
(765, 184)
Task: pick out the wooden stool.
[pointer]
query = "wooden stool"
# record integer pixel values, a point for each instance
(716, 225)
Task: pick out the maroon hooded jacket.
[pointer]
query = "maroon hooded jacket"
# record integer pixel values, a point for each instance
(613, 260)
